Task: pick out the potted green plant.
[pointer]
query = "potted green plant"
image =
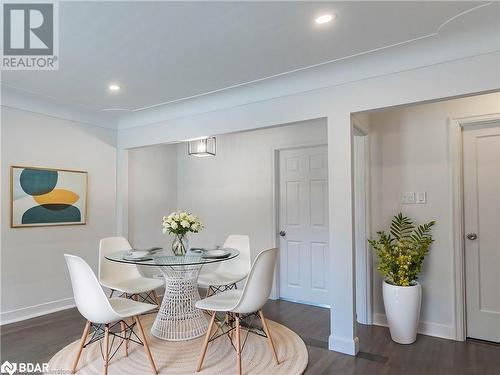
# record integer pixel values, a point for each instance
(401, 253)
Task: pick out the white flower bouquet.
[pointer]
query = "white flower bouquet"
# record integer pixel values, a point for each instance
(180, 223)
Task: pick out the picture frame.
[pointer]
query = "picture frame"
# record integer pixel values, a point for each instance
(41, 196)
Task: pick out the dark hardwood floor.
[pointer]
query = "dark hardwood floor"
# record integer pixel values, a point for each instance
(37, 339)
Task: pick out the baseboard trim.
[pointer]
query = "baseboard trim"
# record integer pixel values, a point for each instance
(305, 302)
(17, 315)
(24, 313)
(424, 328)
(343, 345)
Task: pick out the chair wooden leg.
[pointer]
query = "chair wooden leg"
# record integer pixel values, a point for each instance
(106, 349)
(205, 343)
(125, 339)
(156, 298)
(269, 338)
(146, 345)
(231, 327)
(208, 292)
(82, 343)
(111, 294)
(238, 344)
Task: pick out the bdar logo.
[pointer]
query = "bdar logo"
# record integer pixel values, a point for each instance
(8, 368)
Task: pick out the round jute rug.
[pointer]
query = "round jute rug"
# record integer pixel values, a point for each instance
(181, 357)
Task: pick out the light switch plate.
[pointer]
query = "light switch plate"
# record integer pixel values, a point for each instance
(422, 197)
(408, 197)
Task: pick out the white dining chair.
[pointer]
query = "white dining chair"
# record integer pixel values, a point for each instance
(241, 304)
(230, 272)
(103, 314)
(125, 278)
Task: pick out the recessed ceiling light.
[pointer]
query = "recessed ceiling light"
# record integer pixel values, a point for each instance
(114, 87)
(325, 18)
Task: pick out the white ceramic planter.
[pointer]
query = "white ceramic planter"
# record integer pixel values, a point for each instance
(402, 308)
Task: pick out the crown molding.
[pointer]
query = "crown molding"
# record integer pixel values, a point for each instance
(26, 101)
(423, 36)
(439, 47)
(434, 50)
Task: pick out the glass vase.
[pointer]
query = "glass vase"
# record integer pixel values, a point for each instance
(180, 245)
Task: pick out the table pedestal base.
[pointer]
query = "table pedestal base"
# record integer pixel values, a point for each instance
(178, 319)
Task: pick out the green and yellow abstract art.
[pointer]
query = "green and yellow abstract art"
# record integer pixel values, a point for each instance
(43, 196)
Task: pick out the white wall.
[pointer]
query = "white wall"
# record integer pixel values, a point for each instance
(152, 188)
(34, 277)
(409, 152)
(233, 192)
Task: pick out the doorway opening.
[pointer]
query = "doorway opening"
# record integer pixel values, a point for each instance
(441, 161)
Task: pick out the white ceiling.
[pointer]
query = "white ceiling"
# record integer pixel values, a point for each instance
(166, 51)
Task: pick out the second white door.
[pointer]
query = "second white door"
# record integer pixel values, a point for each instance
(482, 227)
(303, 225)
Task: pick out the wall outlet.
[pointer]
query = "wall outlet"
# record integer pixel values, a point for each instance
(408, 197)
(422, 197)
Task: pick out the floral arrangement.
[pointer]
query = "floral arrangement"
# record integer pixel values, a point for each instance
(181, 222)
(402, 251)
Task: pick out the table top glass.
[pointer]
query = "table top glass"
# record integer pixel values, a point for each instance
(166, 258)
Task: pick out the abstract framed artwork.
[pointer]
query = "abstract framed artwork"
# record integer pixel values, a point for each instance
(47, 197)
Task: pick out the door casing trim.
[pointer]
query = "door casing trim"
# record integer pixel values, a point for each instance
(455, 166)
(367, 297)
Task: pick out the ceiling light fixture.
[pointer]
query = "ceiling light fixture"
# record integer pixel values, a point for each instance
(114, 87)
(325, 18)
(202, 147)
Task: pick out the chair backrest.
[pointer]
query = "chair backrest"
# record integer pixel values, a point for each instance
(90, 299)
(109, 271)
(259, 283)
(243, 262)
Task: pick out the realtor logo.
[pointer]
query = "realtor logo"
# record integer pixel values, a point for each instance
(8, 368)
(30, 36)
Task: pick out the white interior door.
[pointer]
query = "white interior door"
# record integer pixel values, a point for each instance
(481, 153)
(303, 222)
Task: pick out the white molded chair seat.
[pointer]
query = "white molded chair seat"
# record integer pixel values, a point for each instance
(125, 308)
(134, 286)
(240, 304)
(229, 272)
(220, 278)
(124, 278)
(224, 301)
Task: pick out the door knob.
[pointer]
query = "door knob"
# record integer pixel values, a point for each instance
(282, 233)
(472, 236)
